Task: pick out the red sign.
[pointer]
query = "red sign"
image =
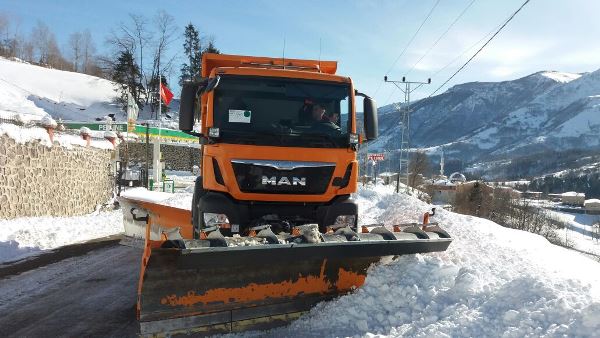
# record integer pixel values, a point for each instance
(376, 157)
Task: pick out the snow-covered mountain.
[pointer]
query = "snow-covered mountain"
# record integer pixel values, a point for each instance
(33, 92)
(483, 121)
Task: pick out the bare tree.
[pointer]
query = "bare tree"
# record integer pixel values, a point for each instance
(142, 36)
(88, 49)
(42, 40)
(54, 57)
(166, 34)
(131, 37)
(5, 48)
(4, 25)
(45, 48)
(26, 50)
(418, 167)
(75, 44)
(11, 41)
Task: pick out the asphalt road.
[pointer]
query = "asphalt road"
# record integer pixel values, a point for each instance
(78, 291)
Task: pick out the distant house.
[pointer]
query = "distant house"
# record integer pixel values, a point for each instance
(514, 193)
(532, 194)
(388, 178)
(573, 198)
(442, 191)
(592, 206)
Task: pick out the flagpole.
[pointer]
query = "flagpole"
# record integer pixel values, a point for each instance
(159, 116)
(156, 153)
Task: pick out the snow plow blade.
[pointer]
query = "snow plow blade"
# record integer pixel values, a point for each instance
(209, 290)
(231, 284)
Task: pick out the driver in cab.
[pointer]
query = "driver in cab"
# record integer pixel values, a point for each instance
(323, 121)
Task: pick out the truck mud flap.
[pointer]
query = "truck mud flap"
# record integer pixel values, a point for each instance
(206, 290)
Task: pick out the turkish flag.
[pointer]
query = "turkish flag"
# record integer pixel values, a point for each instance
(165, 94)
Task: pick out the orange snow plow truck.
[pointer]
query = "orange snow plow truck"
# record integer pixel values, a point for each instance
(273, 227)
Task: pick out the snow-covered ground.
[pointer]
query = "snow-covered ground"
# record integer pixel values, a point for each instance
(32, 92)
(26, 236)
(578, 230)
(492, 281)
(29, 134)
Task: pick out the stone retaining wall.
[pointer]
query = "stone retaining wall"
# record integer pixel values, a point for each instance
(175, 157)
(37, 180)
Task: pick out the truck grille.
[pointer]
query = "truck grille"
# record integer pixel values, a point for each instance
(282, 177)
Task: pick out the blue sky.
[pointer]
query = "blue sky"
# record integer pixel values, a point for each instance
(364, 36)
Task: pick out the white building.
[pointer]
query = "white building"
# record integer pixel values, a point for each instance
(592, 205)
(573, 198)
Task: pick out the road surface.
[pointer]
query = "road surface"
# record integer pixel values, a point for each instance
(77, 291)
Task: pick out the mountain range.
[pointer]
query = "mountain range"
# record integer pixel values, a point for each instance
(487, 125)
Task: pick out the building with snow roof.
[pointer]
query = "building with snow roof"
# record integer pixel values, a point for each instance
(388, 177)
(441, 191)
(592, 206)
(573, 198)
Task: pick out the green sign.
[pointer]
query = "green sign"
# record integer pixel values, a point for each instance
(96, 126)
(164, 133)
(140, 130)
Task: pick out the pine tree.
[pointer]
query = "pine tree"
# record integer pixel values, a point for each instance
(126, 72)
(211, 48)
(193, 53)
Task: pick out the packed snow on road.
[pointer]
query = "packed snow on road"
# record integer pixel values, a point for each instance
(492, 281)
(27, 236)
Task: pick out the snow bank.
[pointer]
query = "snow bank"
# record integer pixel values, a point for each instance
(492, 282)
(143, 194)
(573, 194)
(25, 236)
(24, 135)
(33, 92)
(27, 134)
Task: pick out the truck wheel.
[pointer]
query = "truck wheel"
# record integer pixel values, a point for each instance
(196, 214)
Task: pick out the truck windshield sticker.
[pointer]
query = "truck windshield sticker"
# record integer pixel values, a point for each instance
(239, 116)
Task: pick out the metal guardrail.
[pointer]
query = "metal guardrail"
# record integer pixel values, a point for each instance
(17, 119)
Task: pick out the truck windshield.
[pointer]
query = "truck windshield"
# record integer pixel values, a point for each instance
(282, 112)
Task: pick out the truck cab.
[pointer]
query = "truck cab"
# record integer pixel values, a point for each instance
(279, 141)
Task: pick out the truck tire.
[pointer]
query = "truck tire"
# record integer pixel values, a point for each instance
(196, 217)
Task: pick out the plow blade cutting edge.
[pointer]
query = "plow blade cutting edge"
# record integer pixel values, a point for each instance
(195, 287)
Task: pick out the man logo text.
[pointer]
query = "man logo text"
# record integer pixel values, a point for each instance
(283, 181)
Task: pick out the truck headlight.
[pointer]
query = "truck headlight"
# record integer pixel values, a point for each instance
(212, 219)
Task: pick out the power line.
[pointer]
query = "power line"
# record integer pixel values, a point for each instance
(413, 37)
(431, 48)
(408, 44)
(482, 47)
(460, 55)
(448, 64)
(441, 36)
(465, 51)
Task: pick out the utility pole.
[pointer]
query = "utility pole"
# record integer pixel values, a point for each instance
(404, 87)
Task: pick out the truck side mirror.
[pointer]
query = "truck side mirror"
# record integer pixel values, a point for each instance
(212, 84)
(187, 106)
(370, 114)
